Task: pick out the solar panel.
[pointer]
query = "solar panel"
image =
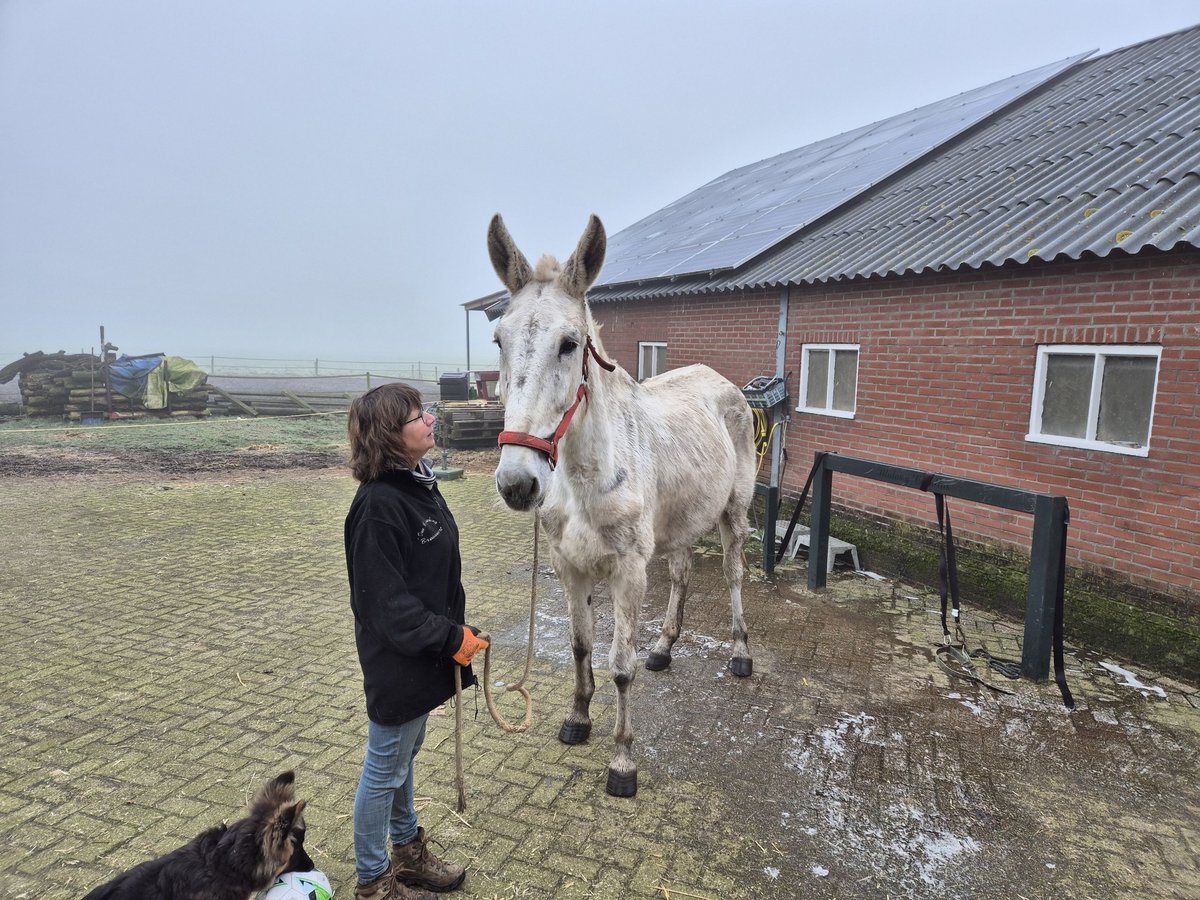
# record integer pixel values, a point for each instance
(738, 215)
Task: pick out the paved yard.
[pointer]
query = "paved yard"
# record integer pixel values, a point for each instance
(174, 640)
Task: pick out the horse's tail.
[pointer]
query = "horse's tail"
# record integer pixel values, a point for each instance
(739, 420)
(739, 424)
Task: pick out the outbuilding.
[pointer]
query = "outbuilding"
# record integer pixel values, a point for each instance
(1003, 285)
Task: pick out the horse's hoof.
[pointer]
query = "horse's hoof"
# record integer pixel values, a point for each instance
(574, 732)
(656, 662)
(741, 666)
(622, 784)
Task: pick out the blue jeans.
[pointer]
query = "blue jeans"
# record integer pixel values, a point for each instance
(383, 804)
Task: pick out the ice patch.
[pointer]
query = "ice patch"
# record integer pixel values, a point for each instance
(1131, 680)
(902, 840)
(865, 574)
(938, 849)
(796, 756)
(832, 740)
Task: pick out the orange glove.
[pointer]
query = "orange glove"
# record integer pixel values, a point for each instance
(470, 646)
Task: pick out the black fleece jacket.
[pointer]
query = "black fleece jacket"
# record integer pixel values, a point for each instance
(406, 591)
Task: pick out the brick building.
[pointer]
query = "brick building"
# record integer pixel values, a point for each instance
(1004, 285)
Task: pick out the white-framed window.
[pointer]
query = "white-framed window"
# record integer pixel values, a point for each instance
(1097, 397)
(652, 359)
(829, 379)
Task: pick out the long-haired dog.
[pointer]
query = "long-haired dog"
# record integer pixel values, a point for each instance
(228, 862)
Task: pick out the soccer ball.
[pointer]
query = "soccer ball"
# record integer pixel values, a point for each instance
(299, 886)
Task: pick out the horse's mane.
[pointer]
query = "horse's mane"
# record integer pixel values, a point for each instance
(547, 269)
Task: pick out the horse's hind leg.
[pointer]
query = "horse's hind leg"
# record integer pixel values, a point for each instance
(734, 529)
(628, 590)
(680, 564)
(578, 725)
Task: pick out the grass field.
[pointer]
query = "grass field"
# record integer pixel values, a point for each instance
(320, 433)
(48, 447)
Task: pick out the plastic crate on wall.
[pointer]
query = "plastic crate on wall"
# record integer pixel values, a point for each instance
(765, 392)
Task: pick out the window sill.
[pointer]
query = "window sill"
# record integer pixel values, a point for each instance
(1081, 444)
(832, 413)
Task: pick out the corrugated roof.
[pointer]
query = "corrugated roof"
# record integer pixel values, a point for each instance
(737, 216)
(1106, 158)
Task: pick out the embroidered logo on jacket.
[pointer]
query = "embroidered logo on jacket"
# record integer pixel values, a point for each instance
(430, 529)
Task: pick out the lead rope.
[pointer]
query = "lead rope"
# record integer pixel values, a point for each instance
(519, 687)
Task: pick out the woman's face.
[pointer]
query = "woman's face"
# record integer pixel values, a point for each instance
(418, 433)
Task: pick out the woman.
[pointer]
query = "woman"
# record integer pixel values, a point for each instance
(409, 611)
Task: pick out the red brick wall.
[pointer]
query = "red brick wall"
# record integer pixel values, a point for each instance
(688, 326)
(945, 383)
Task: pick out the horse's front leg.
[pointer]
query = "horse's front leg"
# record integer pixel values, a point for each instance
(578, 725)
(628, 590)
(680, 564)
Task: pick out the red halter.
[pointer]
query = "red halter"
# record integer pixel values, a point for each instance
(550, 447)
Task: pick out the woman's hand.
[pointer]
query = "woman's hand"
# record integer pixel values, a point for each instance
(471, 644)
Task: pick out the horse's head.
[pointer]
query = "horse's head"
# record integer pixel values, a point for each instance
(543, 341)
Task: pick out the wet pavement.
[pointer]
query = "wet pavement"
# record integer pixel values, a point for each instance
(173, 641)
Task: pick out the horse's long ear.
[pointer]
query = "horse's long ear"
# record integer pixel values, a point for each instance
(509, 262)
(584, 265)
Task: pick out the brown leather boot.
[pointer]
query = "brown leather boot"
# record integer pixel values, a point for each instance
(414, 863)
(386, 887)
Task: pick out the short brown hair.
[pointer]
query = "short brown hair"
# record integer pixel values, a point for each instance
(375, 429)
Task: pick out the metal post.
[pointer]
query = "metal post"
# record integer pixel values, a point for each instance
(776, 417)
(769, 536)
(1045, 571)
(467, 312)
(818, 533)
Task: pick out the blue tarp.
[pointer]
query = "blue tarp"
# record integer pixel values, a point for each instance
(129, 375)
(148, 379)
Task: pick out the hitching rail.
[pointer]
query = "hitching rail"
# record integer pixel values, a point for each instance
(1047, 548)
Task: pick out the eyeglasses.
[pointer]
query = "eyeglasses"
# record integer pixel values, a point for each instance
(421, 416)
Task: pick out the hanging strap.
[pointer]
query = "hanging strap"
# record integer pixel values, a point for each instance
(812, 473)
(1060, 670)
(952, 656)
(947, 566)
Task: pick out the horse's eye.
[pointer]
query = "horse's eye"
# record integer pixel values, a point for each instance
(496, 341)
(567, 346)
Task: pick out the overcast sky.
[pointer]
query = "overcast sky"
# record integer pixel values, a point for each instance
(306, 179)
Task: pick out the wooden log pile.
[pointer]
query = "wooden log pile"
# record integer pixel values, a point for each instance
(74, 387)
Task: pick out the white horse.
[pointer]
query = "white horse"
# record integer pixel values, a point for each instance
(618, 471)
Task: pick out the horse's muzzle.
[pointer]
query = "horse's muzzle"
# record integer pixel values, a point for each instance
(520, 492)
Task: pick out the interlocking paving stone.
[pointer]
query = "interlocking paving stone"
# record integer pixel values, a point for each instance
(174, 641)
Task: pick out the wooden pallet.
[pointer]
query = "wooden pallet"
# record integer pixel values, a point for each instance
(470, 423)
